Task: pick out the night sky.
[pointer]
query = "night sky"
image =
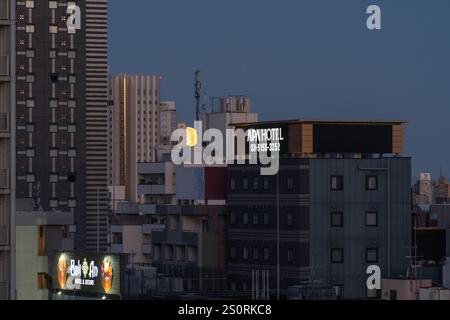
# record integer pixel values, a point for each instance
(299, 59)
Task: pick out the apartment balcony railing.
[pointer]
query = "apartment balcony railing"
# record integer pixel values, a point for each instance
(149, 228)
(4, 289)
(4, 66)
(4, 235)
(4, 122)
(4, 9)
(4, 179)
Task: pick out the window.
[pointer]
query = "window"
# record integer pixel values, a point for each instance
(53, 203)
(266, 183)
(72, 203)
(72, 153)
(71, 54)
(52, 128)
(255, 183)
(232, 183)
(371, 219)
(29, 28)
(290, 255)
(30, 78)
(245, 183)
(72, 78)
(73, 104)
(53, 103)
(255, 253)
(53, 178)
(372, 294)
(232, 218)
(371, 183)
(30, 177)
(290, 183)
(29, 4)
(30, 127)
(290, 219)
(371, 255)
(72, 128)
(245, 218)
(337, 255)
(337, 219)
(233, 252)
(53, 4)
(245, 253)
(255, 219)
(266, 219)
(31, 103)
(266, 254)
(52, 29)
(53, 153)
(117, 238)
(30, 53)
(337, 183)
(30, 153)
(339, 290)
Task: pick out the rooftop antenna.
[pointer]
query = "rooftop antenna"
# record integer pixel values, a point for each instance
(198, 88)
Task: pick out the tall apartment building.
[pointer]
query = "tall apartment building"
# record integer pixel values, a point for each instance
(7, 149)
(340, 202)
(168, 122)
(134, 111)
(62, 114)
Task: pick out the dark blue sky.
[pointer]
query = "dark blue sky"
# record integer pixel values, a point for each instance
(299, 59)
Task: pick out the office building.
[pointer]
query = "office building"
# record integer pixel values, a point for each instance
(341, 201)
(7, 149)
(62, 114)
(168, 122)
(134, 113)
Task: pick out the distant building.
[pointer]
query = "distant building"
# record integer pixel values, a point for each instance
(340, 202)
(424, 189)
(134, 122)
(168, 122)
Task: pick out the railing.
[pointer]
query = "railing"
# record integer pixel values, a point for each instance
(4, 65)
(149, 228)
(4, 9)
(4, 289)
(4, 122)
(4, 235)
(4, 178)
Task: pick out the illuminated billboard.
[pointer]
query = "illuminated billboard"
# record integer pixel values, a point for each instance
(87, 273)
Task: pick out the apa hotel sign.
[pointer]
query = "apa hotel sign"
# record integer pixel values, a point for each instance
(89, 273)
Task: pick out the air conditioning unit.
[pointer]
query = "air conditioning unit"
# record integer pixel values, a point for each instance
(4, 65)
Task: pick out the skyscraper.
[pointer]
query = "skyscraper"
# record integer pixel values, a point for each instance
(62, 113)
(133, 130)
(7, 149)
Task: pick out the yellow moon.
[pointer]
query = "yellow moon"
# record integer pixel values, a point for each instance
(191, 137)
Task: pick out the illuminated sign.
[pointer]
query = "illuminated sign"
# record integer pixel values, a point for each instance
(90, 273)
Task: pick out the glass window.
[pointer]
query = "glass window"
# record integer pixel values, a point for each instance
(30, 177)
(371, 183)
(337, 219)
(53, 29)
(71, 128)
(29, 28)
(72, 203)
(255, 254)
(371, 219)
(245, 253)
(337, 255)
(52, 128)
(255, 183)
(371, 255)
(232, 183)
(31, 103)
(53, 153)
(266, 183)
(53, 178)
(53, 203)
(31, 153)
(72, 153)
(53, 4)
(266, 254)
(245, 218)
(337, 183)
(255, 219)
(53, 103)
(290, 219)
(29, 4)
(233, 252)
(266, 219)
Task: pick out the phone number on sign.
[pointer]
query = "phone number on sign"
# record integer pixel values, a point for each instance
(264, 147)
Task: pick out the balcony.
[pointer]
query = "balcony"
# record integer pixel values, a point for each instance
(151, 189)
(4, 235)
(151, 168)
(116, 248)
(4, 68)
(150, 228)
(4, 181)
(4, 125)
(4, 11)
(147, 208)
(147, 249)
(4, 289)
(175, 237)
(127, 208)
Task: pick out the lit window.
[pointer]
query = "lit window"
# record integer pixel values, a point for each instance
(53, 178)
(30, 177)
(72, 104)
(72, 78)
(53, 29)
(72, 203)
(30, 153)
(29, 4)
(72, 153)
(71, 128)
(53, 103)
(29, 28)
(53, 4)
(30, 103)
(53, 203)
(30, 53)
(53, 153)
(53, 128)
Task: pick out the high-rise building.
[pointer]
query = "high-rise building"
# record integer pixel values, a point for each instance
(62, 114)
(340, 202)
(424, 189)
(134, 113)
(7, 149)
(168, 121)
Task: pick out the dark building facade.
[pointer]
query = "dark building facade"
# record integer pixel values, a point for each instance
(61, 114)
(326, 216)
